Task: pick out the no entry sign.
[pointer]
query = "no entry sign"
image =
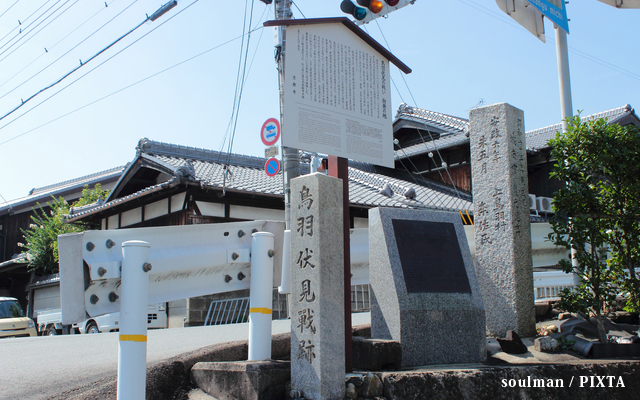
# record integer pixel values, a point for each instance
(272, 166)
(270, 132)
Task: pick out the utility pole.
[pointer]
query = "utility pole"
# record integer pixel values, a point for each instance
(562, 56)
(290, 157)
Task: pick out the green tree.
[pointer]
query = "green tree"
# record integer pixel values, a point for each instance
(41, 239)
(598, 212)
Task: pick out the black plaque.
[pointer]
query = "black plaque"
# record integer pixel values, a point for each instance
(430, 257)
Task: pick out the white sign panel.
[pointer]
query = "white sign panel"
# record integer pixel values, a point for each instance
(337, 97)
(529, 17)
(623, 3)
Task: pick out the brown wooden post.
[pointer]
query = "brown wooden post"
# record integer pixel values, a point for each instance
(339, 168)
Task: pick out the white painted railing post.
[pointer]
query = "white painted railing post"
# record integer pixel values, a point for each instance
(132, 349)
(262, 252)
(285, 279)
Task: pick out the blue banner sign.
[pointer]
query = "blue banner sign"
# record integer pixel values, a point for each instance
(556, 14)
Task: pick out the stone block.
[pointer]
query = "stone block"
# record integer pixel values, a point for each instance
(246, 380)
(547, 344)
(425, 294)
(376, 354)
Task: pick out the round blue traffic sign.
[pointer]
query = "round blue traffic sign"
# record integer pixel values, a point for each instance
(272, 166)
(270, 132)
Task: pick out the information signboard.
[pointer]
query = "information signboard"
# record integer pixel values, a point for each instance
(337, 95)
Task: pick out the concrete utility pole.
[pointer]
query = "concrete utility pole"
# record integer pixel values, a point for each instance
(290, 157)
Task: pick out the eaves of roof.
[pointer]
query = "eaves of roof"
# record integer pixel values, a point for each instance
(244, 174)
(536, 139)
(446, 122)
(44, 194)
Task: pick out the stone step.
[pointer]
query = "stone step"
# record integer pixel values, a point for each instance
(267, 380)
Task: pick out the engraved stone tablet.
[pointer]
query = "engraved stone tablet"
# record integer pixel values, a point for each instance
(424, 291)
(430, 257)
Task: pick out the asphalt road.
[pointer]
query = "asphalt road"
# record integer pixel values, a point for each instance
(41, 367)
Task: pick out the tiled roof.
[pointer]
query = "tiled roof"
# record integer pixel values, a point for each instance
(445, 122)
(537, 139)
(209, 169)
(368, 189)
(444, 142)
(44, 194)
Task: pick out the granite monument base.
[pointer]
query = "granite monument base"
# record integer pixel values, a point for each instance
(425, 293)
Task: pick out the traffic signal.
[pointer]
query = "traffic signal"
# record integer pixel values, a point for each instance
(368, 10)
(375, 6)
(357, 12)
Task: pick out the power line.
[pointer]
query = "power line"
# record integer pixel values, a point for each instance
(67, 52)
(81, 65)
(421, 137)
(573, 50)
(96, 67)
(124, 88)
(27, 27)
(240, 80)
(299, 10)
(5, 11)
(49, 23)
(20, 23)
(73, 70)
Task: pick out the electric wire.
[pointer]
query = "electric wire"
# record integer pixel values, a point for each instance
(227, 132)
(423, 140)
(5, 200)
(49, 23)
(299, 10)
(5, 11)
(25, 32)
(127, 87)
(512, 23)
(72, 71)
(20, 24)
(67, 52)
(240, 81)
(102, 63)
(78, 67)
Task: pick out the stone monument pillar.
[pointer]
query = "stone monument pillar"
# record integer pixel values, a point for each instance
(317, 288)
(501, 218)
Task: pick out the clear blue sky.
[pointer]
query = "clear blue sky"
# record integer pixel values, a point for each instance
(461, 52)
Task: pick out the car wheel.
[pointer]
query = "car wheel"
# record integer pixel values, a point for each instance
(51, 331)
(92, 328)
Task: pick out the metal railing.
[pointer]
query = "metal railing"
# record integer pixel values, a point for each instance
(228, 311)
(550, 284)
(360, 300)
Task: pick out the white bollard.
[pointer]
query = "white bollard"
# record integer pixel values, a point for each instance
(285, 278)
(132, 349)
(260, 288)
